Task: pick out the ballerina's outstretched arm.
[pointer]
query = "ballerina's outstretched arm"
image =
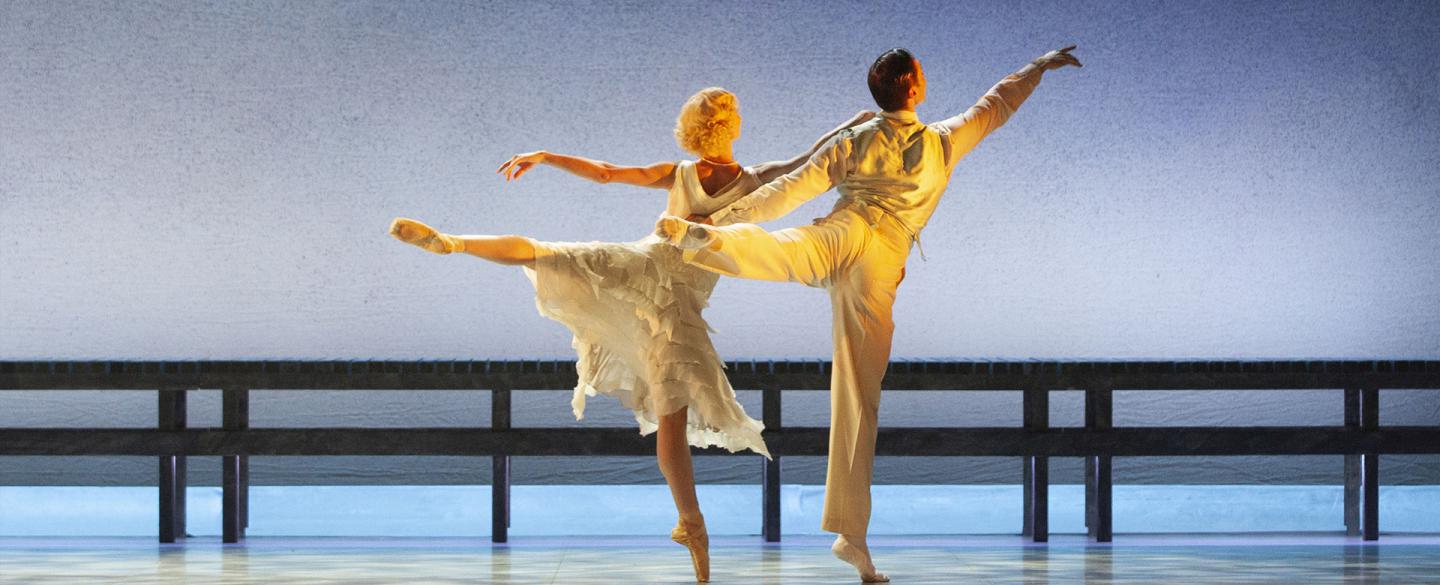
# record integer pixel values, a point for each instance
(656, 176)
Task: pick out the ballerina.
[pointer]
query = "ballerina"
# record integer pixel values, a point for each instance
(634, 307)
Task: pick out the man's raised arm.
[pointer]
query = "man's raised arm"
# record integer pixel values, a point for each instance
(791, 190)
(966, 130)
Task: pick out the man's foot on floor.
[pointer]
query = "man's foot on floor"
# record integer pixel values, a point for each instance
(418, 234)
(854, 551)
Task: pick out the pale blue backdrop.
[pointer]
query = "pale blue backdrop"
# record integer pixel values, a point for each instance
(213, 180)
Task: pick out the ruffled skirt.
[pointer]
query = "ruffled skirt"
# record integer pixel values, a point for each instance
(634, 309)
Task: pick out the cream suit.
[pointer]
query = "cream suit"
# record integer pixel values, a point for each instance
(890, 173)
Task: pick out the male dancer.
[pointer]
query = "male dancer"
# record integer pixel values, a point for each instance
(890, 173)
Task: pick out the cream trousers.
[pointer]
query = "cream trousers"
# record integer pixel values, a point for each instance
(857, 254)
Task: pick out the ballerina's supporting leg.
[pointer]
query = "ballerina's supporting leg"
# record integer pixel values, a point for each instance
(510, 250)
(672, 452)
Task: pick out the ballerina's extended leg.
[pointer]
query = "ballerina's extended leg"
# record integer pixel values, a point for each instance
(423, 236)
(510, 250)
(852, 549)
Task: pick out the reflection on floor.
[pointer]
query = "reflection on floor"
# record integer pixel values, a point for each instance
(1309, 559)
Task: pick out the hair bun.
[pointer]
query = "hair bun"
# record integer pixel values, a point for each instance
(707, 121)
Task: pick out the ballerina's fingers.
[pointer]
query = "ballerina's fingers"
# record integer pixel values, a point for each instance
(508, 166)
(518, 169)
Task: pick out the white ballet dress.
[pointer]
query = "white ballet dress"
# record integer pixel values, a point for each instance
(634, 309)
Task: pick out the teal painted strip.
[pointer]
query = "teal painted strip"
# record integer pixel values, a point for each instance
(464, 511)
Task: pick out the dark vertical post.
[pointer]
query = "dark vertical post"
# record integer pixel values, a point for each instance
(1036, 404)
(500, 468)
(244, 491)
(172, 468)
(1370, 466)
(235, 416)
(770, 474)
(230, 529)
(1090, 465)
(1027, 491)
(1102, 530)
(1352, 466)
(1099, 417)
(1089, 493)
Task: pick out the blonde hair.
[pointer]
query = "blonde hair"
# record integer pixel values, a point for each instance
(708, 120)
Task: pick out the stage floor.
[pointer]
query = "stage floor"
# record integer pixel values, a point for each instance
(1310, 559)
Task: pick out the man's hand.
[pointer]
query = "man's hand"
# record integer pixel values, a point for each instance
(518, 164)
(1057, 59)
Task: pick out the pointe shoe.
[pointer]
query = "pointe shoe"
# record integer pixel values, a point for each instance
(683, 234)
(858, 557)
(418, 234)
(697, 541)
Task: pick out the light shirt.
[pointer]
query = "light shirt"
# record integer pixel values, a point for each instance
(892, 163)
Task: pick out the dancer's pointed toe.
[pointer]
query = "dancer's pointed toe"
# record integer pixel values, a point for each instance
(418, 234)
(695, 539)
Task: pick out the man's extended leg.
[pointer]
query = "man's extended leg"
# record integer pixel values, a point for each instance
(806, 254)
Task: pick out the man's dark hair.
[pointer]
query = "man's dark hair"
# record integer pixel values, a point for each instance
(890, 78)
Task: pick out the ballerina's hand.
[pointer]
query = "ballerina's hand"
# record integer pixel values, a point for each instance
(1058, 59)
(518, 164)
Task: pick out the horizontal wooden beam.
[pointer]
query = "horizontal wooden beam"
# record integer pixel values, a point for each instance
(790, 375)
(1006, 441)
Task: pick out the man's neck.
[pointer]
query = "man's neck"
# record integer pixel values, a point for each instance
(902, 115)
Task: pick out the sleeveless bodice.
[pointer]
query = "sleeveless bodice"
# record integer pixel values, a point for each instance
(688, 196)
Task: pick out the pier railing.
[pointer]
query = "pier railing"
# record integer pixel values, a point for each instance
(1361, 439)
